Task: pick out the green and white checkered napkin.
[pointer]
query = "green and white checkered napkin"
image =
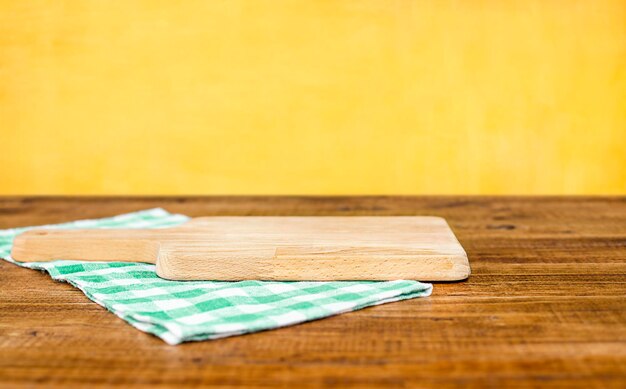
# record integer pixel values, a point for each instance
(179, 311)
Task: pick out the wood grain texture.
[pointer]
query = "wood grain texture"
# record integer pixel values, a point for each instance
(298, 248)
(545, 307)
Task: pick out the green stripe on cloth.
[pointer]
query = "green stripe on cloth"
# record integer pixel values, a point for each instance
(179, 311)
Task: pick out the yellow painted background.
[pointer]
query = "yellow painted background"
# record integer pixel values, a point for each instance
(312, 97)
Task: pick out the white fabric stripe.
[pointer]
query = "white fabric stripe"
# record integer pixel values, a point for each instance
(95, 272)
(225, 292)
(171, 289)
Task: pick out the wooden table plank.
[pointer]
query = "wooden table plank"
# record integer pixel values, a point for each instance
(545, 306)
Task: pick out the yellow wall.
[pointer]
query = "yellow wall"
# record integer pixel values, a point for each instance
(312, 97)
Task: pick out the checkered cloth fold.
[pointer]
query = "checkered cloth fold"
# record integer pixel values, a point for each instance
(179, 311)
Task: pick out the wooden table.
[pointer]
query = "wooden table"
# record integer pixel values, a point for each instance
(545, 306)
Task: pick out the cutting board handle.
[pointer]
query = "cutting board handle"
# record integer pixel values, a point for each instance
(128, 245)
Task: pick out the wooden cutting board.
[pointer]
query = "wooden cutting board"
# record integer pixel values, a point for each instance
(268, 248)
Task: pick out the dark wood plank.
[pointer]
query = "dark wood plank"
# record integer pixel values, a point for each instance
(545, 306)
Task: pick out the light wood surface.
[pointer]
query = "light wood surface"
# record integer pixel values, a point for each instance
(544, 307)
(322, 248)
